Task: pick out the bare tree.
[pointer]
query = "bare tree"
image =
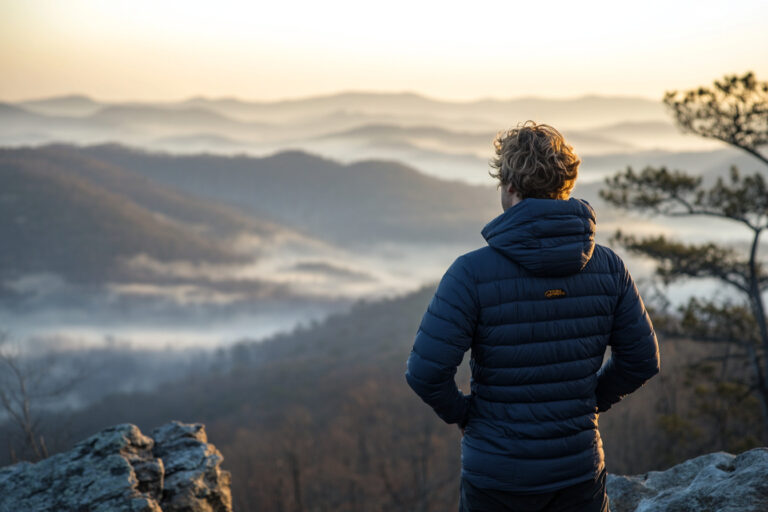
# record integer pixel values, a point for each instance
(27, 384)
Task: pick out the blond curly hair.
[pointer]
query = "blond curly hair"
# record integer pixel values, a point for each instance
(536, 161)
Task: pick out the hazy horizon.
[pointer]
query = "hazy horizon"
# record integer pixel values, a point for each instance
(236, 214)
(156, 52)
(321, 95)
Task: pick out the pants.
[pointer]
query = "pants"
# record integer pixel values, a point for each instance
(588, 496)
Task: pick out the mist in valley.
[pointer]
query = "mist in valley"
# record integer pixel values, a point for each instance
(215, 259)
(199, 223)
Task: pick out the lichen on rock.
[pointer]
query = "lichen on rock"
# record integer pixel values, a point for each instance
(716, 482)
(121, 469)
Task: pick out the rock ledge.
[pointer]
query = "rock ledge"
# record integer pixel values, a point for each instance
(121, 469)
(717, 482)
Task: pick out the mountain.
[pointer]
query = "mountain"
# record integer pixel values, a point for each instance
(332, 113)
(655, 135)
(199, 143)
(325, 227)
(52, 221)
(450, 139)
(20, 125)
(151, 234)
(12, 114)
(353, 205)
(573, 112)
(86, 235)
(204, 216)
(452, 142)
(131, 123)
(397, 132)
(75, 105)
(187, 118)
(345, 119)
(708, 163)
(361, 102)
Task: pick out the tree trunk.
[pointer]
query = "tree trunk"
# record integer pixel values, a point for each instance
(758, 309)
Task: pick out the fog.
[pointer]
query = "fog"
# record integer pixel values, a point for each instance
(194, 230)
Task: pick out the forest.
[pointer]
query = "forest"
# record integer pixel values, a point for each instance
(319, 417)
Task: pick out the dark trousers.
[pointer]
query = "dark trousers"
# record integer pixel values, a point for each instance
(586, 496)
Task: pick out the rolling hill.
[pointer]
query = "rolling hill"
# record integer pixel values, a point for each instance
(181, 119)
(205, 216)
(68, 105)
(162, 231)
(313, 116)
(353, 205)
(447, 139)
(573, 112)
(452, 141)
(90, 223)
(54, 222)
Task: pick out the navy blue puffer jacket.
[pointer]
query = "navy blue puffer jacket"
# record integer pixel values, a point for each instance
(538, 306)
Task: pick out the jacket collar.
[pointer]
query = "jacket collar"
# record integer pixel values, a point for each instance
(548, 237)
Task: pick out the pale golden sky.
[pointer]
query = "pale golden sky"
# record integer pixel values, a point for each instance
(165, 50)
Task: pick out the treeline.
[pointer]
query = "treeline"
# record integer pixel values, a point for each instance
(322, 419)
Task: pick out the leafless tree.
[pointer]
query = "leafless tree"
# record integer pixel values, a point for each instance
(27, 384)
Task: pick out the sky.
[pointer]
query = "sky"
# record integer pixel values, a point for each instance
(168, 50)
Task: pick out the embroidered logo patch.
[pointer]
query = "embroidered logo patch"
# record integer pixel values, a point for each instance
(557, 292)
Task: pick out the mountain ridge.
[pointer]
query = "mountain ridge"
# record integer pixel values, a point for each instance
(90, 99)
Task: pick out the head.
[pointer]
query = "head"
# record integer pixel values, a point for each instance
(533, 160)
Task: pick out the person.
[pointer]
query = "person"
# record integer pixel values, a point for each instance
(537, 307)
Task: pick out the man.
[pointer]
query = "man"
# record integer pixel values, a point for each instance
(538, 306)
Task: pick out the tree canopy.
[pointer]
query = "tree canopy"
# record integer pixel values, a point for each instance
(735, 111)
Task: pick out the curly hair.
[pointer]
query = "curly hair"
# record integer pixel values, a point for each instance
(536, 161)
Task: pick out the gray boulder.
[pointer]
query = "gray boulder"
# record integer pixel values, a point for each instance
(121, 469)
(717, 482)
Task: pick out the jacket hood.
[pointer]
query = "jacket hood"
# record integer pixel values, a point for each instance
(548, 237)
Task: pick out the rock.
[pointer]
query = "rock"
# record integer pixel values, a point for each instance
(717, 482)
(192, 472)
(121, 469)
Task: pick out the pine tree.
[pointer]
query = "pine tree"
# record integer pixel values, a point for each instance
(734, 110)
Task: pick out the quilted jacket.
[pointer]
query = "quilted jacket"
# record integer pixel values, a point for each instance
(537, 307)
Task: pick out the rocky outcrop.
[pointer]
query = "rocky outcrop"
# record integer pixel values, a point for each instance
(121, 469)
(717, 482)
(176, 469)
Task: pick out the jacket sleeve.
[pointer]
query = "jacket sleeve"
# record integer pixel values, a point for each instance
(445, 334)
(634, 347)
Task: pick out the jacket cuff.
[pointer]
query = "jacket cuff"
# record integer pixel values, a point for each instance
(464, 419)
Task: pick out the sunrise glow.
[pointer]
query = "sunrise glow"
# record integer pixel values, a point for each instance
(146, 50)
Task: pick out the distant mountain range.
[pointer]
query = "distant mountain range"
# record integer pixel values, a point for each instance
(446, 139)
(218, 230)
(56, 221)
(313, 197)
(66, 105)
(351, 205)
(80, 211)
(69, 219)
(597, 109)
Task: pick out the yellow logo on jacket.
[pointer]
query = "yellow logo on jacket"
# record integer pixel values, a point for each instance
(557, 292)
